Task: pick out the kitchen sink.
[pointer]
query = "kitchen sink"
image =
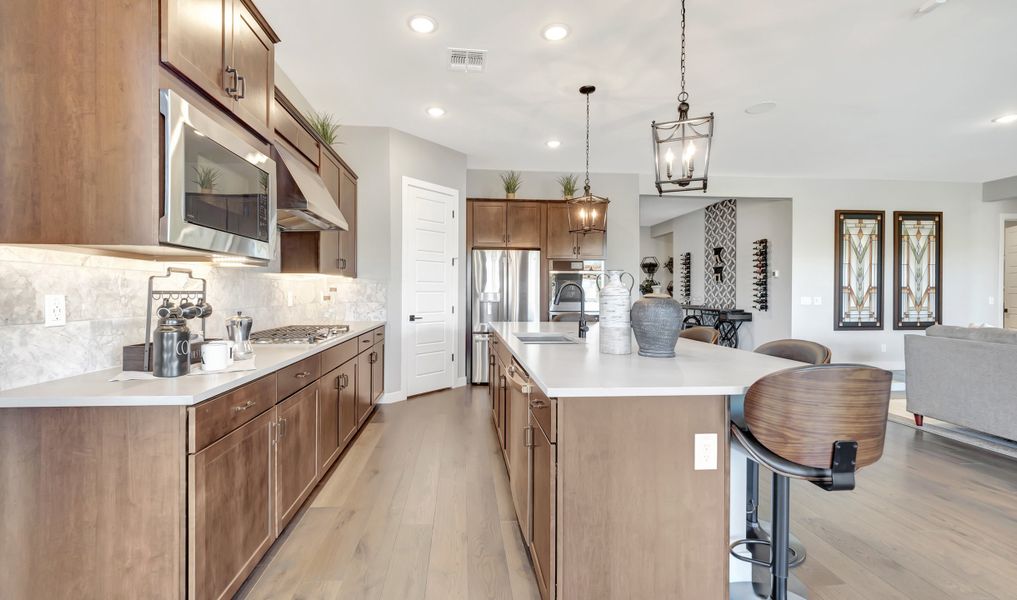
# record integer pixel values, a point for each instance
(546, 338)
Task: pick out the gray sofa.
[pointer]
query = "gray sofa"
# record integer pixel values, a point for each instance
(966, 376)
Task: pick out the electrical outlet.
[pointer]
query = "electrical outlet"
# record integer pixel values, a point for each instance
(992, 300)
(776, 274)
(289, 298)
(882, 347)
(817, 301)
(706, 452)
(56, 310)
(806, 300)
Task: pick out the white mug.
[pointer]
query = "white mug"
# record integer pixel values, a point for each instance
(216, 356)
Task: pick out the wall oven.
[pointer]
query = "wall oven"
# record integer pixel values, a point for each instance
(219, 189)
(584, 272)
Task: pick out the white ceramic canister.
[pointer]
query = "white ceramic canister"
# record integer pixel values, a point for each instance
(615, 331)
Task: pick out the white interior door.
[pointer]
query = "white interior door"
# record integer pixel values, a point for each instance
(430, 285)
(1010, 277)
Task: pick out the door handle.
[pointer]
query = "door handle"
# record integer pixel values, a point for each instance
(231, 90)
(416, 318)
(243, 87)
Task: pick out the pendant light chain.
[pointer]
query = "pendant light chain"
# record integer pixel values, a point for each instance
(587, 186)
(683, 96)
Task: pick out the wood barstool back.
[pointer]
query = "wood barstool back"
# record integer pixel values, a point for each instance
(798, 414)
(700, 333)
(798, 350)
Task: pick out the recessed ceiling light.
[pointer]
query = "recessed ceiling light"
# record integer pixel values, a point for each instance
(762, 107)
(423, 24)
(556, 32)
(1006, 119)
(552, 144)
(435, 112)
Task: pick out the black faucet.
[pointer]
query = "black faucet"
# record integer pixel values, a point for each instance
(583, 328)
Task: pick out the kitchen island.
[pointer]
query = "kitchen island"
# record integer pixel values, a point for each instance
(173, 488)
(619, 466)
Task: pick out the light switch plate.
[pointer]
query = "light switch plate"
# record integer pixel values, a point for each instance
(817, 301)
(56, 310)
(706, 452)
(806, 300)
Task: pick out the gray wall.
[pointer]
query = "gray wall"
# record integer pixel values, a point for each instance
(382, 156)
(757, 218)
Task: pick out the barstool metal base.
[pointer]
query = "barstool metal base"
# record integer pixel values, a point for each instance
(744, 590)
(761, 531)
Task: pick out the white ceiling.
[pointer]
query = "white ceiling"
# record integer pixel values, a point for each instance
(864, 88)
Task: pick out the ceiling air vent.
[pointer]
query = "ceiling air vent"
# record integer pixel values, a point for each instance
(467, 61)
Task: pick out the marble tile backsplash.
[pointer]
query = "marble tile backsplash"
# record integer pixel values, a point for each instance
(105, 302)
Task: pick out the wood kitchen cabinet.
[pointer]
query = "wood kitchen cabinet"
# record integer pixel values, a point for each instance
(507, 224)
(518, 400)
(378, 373)
(225, 48)
(329, 441)
(296, 453)
(326, 252)
(347, 401)
(230, 508)
(364, 383)
(563, 244)
(542, 496)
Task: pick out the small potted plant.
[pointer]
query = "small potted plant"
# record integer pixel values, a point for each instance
(326, 126)
(511, 181)
(206, 178)
(569, 184)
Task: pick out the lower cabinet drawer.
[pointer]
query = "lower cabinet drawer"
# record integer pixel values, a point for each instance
(212, 419)
(337, 355)
(379, 335)
(299, 375)
(366, 341)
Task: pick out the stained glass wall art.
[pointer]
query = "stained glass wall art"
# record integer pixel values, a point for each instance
(858, 293)
(917, 269)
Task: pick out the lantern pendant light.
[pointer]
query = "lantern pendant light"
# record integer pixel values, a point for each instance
(588, 213)
(688, 138)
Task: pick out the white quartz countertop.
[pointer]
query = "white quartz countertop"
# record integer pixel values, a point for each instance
(580, 370)
(96, 389)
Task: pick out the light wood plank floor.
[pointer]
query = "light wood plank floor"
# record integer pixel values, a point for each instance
(419, 507)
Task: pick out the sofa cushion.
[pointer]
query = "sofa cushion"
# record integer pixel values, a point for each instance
(994, 335)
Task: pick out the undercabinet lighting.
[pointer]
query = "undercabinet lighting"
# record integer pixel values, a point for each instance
(556, 32)
(423, 24)
(552, 144)
(1006, 119)
(436, 112)
(226, 260)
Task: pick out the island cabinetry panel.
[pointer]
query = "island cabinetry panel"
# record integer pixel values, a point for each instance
(542, 498)
(230, 508)
(84, 486)
(296, 453)
(517, 438)
(630, 500)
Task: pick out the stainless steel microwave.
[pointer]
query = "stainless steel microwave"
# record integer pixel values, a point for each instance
(219, 189)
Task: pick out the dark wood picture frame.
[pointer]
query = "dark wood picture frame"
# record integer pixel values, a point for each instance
(839, 324)
(898, 219)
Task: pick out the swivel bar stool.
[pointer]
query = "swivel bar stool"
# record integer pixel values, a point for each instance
(818, 423)
(802, 351)
(707, 335)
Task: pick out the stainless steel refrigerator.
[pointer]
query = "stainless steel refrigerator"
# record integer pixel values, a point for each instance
(506, 287)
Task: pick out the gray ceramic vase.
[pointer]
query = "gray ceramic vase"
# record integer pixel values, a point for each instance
(656, 321)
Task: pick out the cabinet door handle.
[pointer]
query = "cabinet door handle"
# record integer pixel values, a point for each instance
(231, 90)
(539, 403)
(243, 87)
(302, 374)
(244, 406)
(337, 386)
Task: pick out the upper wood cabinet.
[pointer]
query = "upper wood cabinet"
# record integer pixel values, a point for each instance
(227, 49)
(563, 244)
(327, 252)
(509, 224)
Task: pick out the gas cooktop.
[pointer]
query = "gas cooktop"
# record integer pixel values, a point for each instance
(299, 334)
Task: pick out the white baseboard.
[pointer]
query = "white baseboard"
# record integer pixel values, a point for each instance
(392, 398)
(460, 382)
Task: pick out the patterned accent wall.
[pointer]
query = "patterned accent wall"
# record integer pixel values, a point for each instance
(721, 219)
